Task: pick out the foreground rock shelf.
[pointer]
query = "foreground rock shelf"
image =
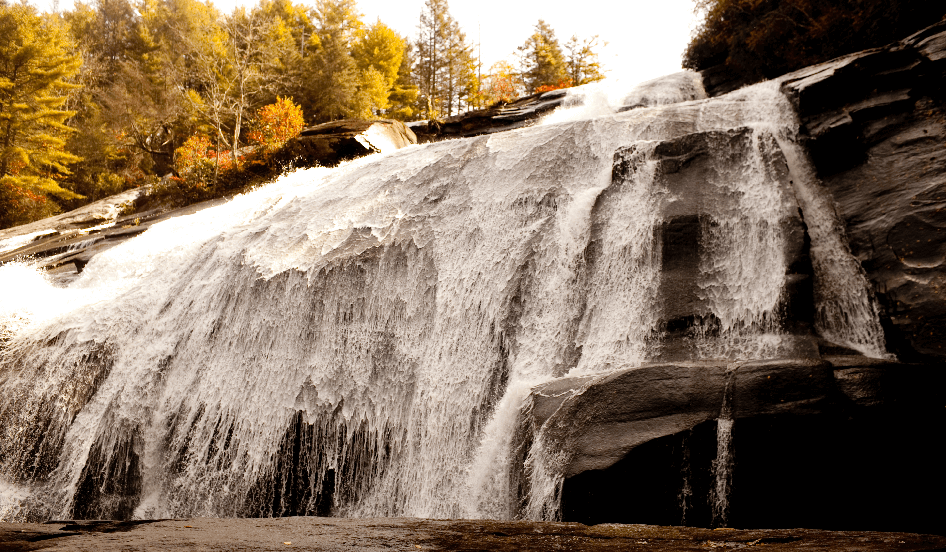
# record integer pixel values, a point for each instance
(368, 535)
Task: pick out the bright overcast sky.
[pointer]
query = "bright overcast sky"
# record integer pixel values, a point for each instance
(646, 38)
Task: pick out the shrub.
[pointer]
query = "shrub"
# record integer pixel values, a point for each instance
(276, 123)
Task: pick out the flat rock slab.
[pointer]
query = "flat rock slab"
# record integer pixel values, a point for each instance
(338, 534)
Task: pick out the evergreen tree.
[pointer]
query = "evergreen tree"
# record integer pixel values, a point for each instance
(404, 93)
(378, 55)
(542, 61)
(37, 60)
(444, 61)
(331, 73)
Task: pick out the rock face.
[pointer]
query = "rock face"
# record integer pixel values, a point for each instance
(649, 444)
(329, 144)
(876, 128)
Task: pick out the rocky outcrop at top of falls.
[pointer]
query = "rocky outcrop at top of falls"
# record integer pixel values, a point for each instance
(876, 128)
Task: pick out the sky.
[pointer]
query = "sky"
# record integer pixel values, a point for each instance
(646, 38)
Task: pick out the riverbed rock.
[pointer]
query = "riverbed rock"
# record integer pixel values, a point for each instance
(875, 124)
(394, 534)
(503, 116)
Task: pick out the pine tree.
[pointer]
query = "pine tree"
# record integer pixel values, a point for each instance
(331, 74)
(378, 55)
(444, 61)
(542, 61)
(404, 93)
(37, 60)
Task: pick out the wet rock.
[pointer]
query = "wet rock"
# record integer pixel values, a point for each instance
(519, 113)
(328, 144)
(370, 535)
(876, 125)
(104, 211)
(597, 421)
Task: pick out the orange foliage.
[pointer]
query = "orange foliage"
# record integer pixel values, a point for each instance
(195, 149)
(276, 123)
(565, 83)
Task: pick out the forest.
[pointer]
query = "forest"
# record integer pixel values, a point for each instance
(116, 94)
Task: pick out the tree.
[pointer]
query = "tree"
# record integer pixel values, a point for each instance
(581, 61)
(404, 93)
(276, 123)
(444, 61)
(504, 83)
(37, 60)
(107, 38)
(542, 61)
(378, 55)
(331, 73)
(758, 39)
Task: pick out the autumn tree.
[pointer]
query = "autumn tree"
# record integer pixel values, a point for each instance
(106, 34)
(541, 59)
(581, 61)
(378, 55)
(758, 39)
(404, 93)
(504, 83)
(276, 123)
(37, 61)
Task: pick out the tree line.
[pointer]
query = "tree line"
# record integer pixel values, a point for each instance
(762, 39)
(104, 97)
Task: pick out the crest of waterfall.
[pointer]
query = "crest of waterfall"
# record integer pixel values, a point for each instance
(360, 341)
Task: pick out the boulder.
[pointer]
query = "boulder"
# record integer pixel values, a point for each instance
(875, 124)
(329, 144)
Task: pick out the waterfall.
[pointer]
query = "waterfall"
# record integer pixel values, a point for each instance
(722, 466)
(360, 341)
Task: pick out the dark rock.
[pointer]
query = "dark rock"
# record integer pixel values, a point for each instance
(598, 421)
(329, 144)
(519, 113)
(876, 125)
(640, 444)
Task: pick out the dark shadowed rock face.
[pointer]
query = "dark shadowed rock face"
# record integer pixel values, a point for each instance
(876, 128)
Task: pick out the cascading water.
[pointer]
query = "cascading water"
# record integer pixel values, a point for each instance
(360, 341)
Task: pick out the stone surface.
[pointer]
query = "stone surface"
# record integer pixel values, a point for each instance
(503, 116)
(601, 419)
(875, 123)
(100, 212)
(368, 535)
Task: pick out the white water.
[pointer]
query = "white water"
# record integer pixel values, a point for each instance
(404, 304)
